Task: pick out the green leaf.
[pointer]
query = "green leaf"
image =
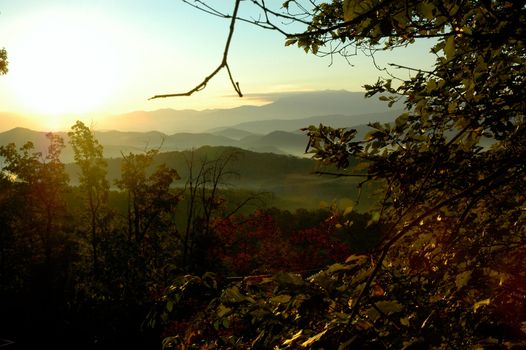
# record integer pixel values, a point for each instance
(349, 7)
(170, 306)
(452, 106)
(426, 9)
(289, 279)
(292, 41)
(347, 210)
(462, 279)
(226, 322)
(338, 267)
(431, 85)
(355, 8)
(449, 47)
(389, 307)
(233, 295)
(280, 299)
(375, 217)
(402, 119)
(223, 310)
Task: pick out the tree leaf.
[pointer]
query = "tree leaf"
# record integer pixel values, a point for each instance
(426, 9)
(313, 339)
(356, 258)
(338, 267)
(294, 338)
(280, 299)
(291, 41)
(223, 310)
(389, 306)
(289, 279)
(233, 295)
(449, 47)
(170, 306)
(462, 279)
(349, 7)
(480, 303)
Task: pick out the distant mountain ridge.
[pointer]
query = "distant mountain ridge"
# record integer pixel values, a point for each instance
(285, 106)
(337, 121)
(270, 128)
(117, 143)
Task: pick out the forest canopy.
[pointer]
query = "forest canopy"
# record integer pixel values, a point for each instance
(448, 272)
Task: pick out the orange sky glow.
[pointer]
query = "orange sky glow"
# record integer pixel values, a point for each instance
(90, 59)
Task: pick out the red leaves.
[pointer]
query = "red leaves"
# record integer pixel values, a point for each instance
(257, 244)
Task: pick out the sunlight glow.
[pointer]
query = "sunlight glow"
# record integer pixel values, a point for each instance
(64, 63)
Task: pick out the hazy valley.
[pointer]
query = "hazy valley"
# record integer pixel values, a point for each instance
(269, 145)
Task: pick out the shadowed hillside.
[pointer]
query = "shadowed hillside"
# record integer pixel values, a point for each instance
(289, 178)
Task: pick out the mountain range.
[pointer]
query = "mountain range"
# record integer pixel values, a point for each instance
(284, 106)
(285, 112)
(274, 127)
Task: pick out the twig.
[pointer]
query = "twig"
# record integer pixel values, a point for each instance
(223, 64)
(341, 174)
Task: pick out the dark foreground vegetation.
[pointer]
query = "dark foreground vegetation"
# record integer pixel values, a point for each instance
(447, 271)
(83, 266)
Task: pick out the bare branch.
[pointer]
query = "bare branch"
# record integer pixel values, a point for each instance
(223, 64)
(206, 8)
(341, 174)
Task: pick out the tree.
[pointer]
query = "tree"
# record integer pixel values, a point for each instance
(203, 200)
(149, 196)
(462, 137)
(448, 272)
(151, 214)
(89, 158)
(3, 62)
(43, 181)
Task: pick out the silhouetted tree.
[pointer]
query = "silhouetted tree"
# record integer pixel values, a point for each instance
(149, 195)
(93, 183)
(44, 182)
(3, 61)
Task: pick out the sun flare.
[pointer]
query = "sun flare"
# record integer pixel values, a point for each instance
(65, 63)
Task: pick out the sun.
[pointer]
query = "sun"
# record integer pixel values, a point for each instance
(64, 63)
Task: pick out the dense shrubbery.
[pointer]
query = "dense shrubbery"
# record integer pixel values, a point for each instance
(82, 266)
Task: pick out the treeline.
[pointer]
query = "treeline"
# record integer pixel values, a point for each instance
(291, 179)
(82, 266)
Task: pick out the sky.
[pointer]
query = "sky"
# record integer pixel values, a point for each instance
(69, 58)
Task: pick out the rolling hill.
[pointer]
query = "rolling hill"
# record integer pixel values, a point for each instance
(289, 179)
(116, 143)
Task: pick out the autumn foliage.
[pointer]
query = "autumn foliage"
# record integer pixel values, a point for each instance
(258, 245)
